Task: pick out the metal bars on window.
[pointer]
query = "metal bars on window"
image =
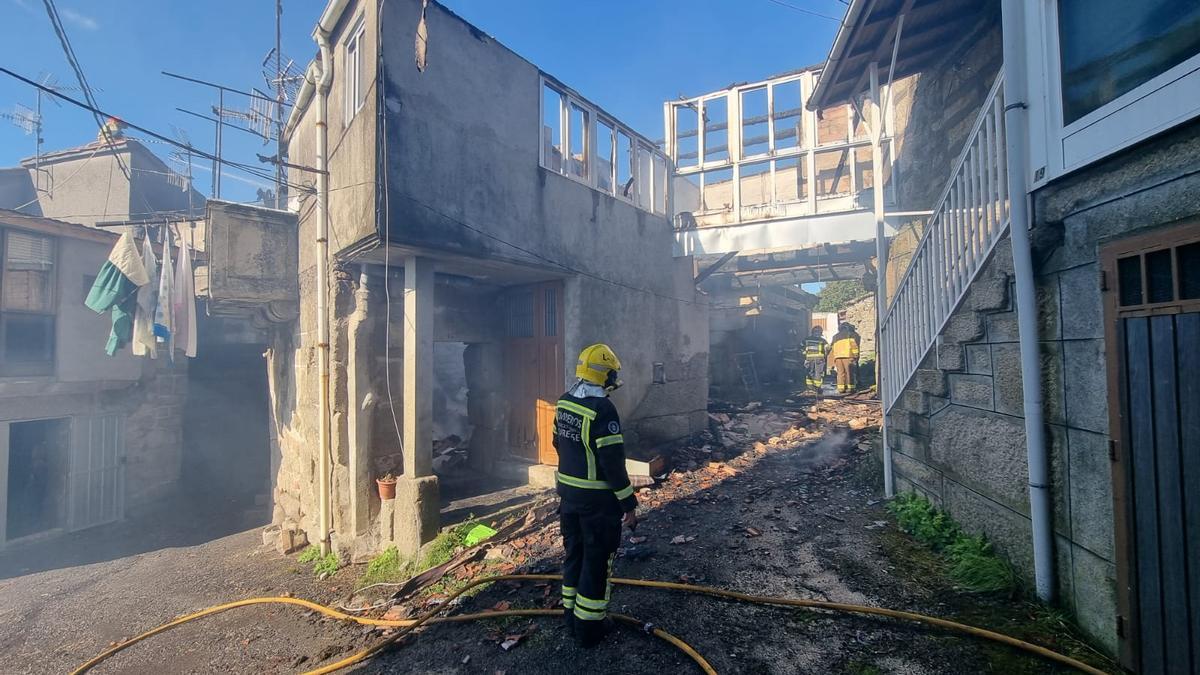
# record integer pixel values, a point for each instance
(582, 143)
(969, 218)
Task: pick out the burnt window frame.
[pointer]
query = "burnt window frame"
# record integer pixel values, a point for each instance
(31, 368)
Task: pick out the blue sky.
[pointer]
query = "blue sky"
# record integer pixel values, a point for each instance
(627, 56)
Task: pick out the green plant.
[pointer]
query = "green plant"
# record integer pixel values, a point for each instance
(442, 548)
(976, 567)
(837, 295)
(327, 564)
(310, 554)
(973, 564)
(387, 567)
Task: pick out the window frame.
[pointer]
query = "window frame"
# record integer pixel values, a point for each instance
(355, 94)
(34, 368)
(1152, 107)
(593, 116)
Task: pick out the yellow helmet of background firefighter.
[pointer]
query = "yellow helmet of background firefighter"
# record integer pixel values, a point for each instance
(599, 365)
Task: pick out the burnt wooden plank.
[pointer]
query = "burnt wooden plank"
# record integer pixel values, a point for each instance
(1188, 339)
(1139, 388)
(1172, 555)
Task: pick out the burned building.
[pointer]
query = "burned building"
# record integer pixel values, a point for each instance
(472, 224)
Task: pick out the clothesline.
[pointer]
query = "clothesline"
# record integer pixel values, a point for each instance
(153, 307)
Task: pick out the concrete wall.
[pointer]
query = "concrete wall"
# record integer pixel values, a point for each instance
(958, 429)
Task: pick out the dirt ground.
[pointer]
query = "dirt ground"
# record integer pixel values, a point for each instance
(778, 500)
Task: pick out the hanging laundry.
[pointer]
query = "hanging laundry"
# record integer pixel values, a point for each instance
(115, 290)
(185, 302)
(147, 298)
(164, 322)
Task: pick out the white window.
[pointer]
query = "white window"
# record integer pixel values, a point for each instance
(1121, 71)
(356, 87)
(581, 142)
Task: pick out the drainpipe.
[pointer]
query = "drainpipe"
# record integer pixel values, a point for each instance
(1016, 95)
(326, 463)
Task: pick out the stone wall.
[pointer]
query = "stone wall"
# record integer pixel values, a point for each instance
(861, 313)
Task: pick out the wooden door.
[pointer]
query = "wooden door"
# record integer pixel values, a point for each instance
(534, 364)
(1152, 288)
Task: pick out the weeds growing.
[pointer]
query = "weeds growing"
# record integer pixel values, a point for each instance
(973, 563)
(321, 564)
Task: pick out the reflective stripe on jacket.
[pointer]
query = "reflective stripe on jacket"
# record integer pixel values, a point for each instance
(591, 453)
(845, 346)
(815, 348)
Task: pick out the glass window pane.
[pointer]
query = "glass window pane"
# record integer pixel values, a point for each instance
(645, 176)
(1159, 277)
(791, 183)
(687, 139)
(755, 134)
(28, 272)
(1110, 47)
(833, 172)
(1129, 275)
(552, 139)
(604, 157)
(1188, 265)
(28, 338)
(660, 184)
(716, 130)
(718, 190)
(754, 181)
(787, 117)
(832, 125)
(625, 159)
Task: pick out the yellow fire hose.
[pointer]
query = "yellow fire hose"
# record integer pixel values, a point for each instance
(408, 625)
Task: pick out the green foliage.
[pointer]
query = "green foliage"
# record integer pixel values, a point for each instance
(837, 295)
(972, 562)
(387, 567)
(442, 548)
(310, 554)
(327, 565)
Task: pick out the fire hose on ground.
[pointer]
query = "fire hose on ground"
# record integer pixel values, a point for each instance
(409, 625)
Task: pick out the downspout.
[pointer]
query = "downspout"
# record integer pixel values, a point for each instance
(1016, 95)
(326, 463)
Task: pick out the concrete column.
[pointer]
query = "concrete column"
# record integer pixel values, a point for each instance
(418, 367)
(360, 406)
(417, 509)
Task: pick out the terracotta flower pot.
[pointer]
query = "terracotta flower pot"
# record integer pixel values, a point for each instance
(387, 488)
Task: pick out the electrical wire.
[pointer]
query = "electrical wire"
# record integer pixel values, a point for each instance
(250, 169)
(65, 180)
(407, 626)
(805, 11)
(380, 108)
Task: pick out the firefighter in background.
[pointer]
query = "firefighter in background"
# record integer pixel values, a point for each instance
(791, 354)
(594, 487)
(816, 350)
(843, 355)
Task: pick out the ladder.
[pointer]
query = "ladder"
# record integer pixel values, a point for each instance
(745, 365)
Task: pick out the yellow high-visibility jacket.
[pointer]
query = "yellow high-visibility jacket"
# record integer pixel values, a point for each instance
(845, 346)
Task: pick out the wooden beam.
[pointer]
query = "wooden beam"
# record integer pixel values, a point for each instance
(711, 269)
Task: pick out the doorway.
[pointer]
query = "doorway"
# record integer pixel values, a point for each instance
(1152, 321)
(38, 465)
(534, 362)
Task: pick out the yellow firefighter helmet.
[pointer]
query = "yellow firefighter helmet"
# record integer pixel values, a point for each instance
(598, 365)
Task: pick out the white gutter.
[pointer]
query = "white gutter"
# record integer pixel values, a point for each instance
(1016, 143)
(327, 22)
(326, 461)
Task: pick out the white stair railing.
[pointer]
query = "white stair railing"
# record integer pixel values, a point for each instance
(969, 218)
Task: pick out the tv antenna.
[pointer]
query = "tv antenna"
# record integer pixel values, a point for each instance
(32, 122)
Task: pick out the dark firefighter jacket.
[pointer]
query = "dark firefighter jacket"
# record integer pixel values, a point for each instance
(815, 348)
(591, 454)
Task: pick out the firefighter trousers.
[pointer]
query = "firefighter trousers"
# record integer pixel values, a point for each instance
(590, 536)
(845, 374)
(816, 372)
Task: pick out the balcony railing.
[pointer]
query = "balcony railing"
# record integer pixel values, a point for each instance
(969, 218)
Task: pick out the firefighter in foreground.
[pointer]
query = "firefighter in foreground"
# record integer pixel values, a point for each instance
(597, 496)
(816, 350)
(843, 354)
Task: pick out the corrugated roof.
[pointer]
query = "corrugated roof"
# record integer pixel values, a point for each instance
(867, 35)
